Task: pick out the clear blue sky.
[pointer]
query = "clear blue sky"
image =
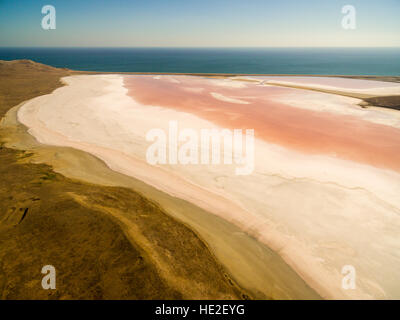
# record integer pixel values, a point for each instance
(205, 23)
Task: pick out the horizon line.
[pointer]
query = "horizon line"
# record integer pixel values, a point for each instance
(205, 47)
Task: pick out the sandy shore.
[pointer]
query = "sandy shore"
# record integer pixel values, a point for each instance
(339, 203)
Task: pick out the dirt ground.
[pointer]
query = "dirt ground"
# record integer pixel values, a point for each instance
(48, 219)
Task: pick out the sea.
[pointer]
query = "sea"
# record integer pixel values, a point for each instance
(322, 61)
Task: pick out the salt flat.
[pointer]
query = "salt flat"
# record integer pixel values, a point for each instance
(324, 191)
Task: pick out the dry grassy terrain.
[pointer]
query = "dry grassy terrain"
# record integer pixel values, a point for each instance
(105, 242)
(391, 102)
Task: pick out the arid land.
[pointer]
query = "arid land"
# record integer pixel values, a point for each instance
(105, 242)
(161, 252)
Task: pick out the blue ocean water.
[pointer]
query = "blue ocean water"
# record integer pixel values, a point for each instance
(326, 61)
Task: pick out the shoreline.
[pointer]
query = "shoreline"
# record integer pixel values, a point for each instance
(72, 219)
(251, 256)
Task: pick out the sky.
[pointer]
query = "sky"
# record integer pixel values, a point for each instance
(205, 23)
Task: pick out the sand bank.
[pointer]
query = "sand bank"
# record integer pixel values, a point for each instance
(319, 211)
(358, 86)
